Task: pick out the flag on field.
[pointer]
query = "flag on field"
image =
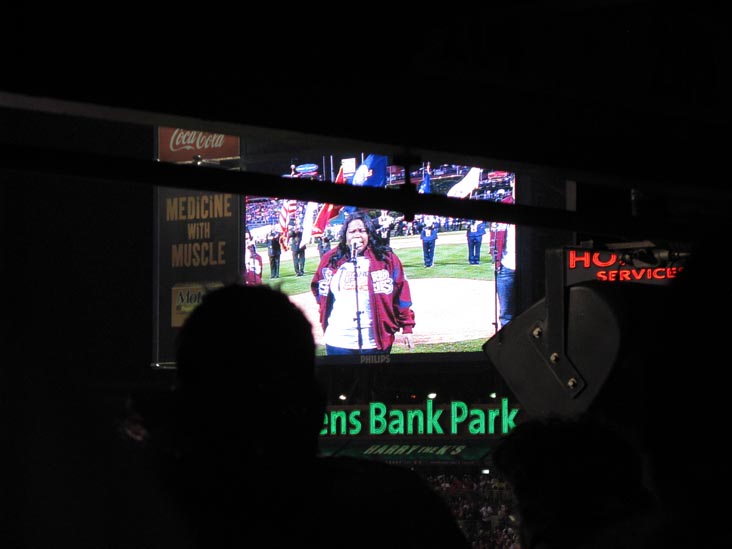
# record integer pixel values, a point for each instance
(307, 223)
(371, 172)
(425, 187)
(327, 211)
(288, 210)
(466, 185)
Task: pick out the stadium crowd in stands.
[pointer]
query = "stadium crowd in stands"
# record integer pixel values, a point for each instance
(483, 506)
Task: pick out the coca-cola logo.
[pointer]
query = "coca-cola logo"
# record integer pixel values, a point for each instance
(189, 140)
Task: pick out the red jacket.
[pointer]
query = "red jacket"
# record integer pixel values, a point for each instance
(391, 299)
(253, 269)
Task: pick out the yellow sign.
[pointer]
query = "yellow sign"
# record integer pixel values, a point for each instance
(186, 297)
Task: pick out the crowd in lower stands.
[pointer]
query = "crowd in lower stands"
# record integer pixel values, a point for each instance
(483, 506)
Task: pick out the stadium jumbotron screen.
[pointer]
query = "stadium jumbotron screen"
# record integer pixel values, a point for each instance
(453, 288)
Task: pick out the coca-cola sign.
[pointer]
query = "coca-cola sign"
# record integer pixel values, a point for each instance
(182, 145)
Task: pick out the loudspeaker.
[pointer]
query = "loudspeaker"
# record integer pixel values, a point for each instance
(587, 355)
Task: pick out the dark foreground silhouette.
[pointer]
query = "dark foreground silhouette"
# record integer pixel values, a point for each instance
(236, 446)
(646, 465)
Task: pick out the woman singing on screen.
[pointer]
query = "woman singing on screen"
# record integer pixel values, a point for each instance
(361, 313)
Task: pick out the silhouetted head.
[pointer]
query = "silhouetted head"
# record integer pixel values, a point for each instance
(687, 395)
(246, 381)
(575, 480)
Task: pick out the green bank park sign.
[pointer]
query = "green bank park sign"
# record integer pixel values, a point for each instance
(425, 419)
(424, 432)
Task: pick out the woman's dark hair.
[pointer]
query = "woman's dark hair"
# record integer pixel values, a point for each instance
(376, 243)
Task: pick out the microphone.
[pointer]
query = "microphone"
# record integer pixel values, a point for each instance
(354, 245)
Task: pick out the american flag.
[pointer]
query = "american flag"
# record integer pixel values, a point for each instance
(289, 207)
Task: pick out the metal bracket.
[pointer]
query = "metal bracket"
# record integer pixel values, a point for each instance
(550, 337)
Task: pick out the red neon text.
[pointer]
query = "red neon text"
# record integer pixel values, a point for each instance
(590, 259)
(628, 275)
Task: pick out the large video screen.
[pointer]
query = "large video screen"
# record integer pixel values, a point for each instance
(429, 285)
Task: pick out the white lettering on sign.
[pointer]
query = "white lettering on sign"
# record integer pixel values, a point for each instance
(195, 140)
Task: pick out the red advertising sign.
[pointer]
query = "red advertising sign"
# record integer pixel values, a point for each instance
(609, 266)
(181, 145)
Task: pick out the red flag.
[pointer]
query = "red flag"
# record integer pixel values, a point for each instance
(340, 178)
(327, 211)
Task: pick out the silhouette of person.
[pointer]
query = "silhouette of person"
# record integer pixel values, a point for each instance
(240, 455)
(685, 422)
(578, 483)
(675, 425)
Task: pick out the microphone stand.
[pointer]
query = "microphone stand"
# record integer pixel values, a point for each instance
(354, 258)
